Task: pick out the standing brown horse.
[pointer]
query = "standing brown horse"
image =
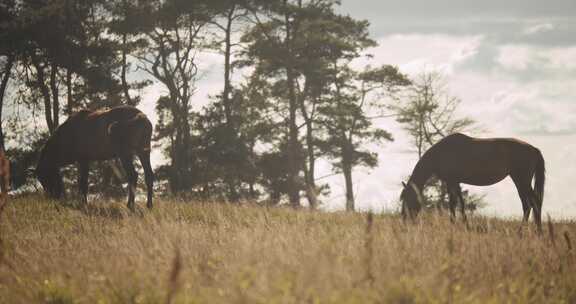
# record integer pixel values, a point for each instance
(481, 162)
(86, 136)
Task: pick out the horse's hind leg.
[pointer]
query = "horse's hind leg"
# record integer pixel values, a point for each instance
(149, 176)
(132, 179)
(537, 206)
(462, 203)
(452, 200)
(526, 207)
(83, 180)
(529, 198)
(523, 192)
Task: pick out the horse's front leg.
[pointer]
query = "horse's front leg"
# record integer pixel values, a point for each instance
(451, 200)
(148, 175)
(462, 203)
(132, 179)
(523, 192)
(83, 169)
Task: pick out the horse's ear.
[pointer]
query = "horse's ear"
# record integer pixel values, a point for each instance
(404, 184)
(419, 196)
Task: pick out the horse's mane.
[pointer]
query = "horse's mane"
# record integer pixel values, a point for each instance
(51, 144)
(74, 117)
(78, 115)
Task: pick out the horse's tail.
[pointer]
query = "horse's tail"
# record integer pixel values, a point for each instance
(141, 121)
(540, 177)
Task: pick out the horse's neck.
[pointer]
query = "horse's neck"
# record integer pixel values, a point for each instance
(50, 156)
(421, 174)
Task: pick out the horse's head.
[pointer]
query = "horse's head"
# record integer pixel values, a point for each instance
(49, 175)
(411, 198)
(51, 181)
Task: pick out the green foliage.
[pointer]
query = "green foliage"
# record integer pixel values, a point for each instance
(346, 115)
(352, 99)
(428, 112)
(303, 49)
(300, 101)
(175, 33)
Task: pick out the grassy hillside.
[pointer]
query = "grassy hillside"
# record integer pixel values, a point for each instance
(217, 253)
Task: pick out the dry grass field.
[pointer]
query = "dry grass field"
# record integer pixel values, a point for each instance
(218, 253)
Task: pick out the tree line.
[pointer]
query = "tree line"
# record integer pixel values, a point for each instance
(292, 93)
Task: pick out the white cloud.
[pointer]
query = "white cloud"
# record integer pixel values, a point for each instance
(538, 28)
(562, 58)
(514, 57)
(523, 57)
(503, 104)
(518, 81)
(415, 52)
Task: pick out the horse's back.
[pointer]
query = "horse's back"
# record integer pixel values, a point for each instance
(458, 141)
(87, 134)
(455, 137)
(122, 113)
(478, 161)
(452, 143)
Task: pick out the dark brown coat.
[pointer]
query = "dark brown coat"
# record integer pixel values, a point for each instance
(98, 135)
(481, 162)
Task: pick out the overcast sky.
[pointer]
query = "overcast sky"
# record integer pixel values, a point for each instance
(513, 64)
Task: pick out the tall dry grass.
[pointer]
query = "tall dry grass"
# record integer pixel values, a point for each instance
(218, 253)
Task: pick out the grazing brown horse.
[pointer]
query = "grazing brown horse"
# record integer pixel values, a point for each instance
(481, 162)
(86, 136)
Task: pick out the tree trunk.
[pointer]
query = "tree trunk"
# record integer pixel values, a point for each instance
(226, 98)
(70, 101)
(40, 81)
(347, 152)
(309, 165)
(347, 171)
(125, 86)
(186, 147)
(293, 151)
(231, 175)
(181, 177)
(5, 78)
(311, 190)
(55, 95)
